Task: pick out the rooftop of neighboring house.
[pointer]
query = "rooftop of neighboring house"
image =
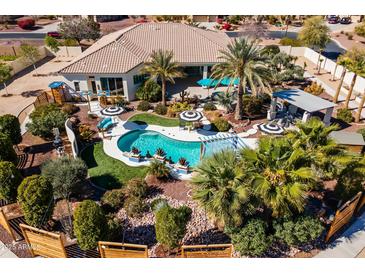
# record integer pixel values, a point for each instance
(123, 50)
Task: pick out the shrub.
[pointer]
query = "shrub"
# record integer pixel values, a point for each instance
(136, 188)
(158, 169)
(35, 196)
(286, 41)
(252, 239)
(149, 91)
(85, 133)
(177, 108)
(70, 109)
(135, 206)
(114, 199)
(314, 88)
(161, 109)
(271, 50)
(265, 98)
(69, 42)
(26, 23)
(45, 118)
(136, 192)
(143, 106)
(209, 107)
(90, 224)
(345, 115)
(299, 231)
(171, 224)
(251, 105)
(7, 152)
(8, 58)
(9, 124)
(115, 228)
(10, 179)
(52, 43)
(350, 36)
(221, 124)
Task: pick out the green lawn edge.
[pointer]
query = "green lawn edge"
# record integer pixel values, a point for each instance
(152, 119)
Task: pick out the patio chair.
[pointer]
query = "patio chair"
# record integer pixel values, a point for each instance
(121, 250)
(207, 251)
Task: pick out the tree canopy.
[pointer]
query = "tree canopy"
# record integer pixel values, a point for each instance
(80, 29)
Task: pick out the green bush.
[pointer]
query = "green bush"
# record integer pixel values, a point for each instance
(345, 115)
(52, 43)
(70, 42)
(252, 239)
(252, 105)
(177, 108)
(115, 228)
(143, 106)
(286, 41)
(220, 124)
(161, 109)
(271, 50)
(90, 224)
(7, 152)
(70, 109)
(10, 179)
(135, 191)
(114, 199)
(171, 224)
(209, 107)
(302, 230)
(9, 124)
(135, 206)
(8, 58)
(45, 118)
(314, 88)
(158, 169)
(35, 196)
(150, 91)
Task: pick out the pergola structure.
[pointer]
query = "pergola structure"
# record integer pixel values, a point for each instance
(299, 99)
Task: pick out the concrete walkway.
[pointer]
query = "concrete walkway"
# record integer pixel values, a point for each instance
(351, 244)
(5, 252)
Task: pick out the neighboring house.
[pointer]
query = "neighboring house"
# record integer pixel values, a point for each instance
(352, 141)
(114, 62)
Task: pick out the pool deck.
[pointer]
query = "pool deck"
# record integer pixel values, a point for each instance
(110, 142)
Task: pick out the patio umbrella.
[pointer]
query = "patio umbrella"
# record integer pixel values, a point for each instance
(230, 81)
(112, 111)
(271, 128)
(208, 83)
(190, 116)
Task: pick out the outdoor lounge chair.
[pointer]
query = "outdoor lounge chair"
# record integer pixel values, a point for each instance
(121, 250)
(207, 251)
(105, 124)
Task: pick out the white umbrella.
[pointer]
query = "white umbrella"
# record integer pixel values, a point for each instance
(112, 111)
(271, 128)
(191, 116)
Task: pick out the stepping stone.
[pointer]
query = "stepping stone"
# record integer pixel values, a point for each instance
(252, 131)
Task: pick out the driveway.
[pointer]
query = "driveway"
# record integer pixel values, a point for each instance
(24, 87)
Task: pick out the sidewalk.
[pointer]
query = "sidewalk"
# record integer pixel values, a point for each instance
(5, 252)
(351, 244)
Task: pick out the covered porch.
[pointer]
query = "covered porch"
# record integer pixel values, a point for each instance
(299, 104)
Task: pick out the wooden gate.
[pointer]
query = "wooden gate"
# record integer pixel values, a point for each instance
(343, 215)
(119, 250)
(42, 99)
(207, 251)
(43, 243)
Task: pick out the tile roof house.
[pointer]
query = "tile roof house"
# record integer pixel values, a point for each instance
(113, 62)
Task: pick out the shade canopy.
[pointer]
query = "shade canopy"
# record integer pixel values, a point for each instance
(190, 116)
(271, 128)
(56, 84)
(227, 81)
(112, 111)
(207, 82)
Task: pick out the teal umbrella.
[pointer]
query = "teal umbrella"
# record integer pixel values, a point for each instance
(207, 82)
(226, 81)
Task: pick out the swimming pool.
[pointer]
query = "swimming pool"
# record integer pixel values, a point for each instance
(149, 140)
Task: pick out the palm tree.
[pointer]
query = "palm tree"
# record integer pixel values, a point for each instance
(340, 62)
(226, 100)
(158, 169)
(313, 137)
(280, 175)
(161, 66)
(354, 61)
(5, 75)
(218, 187)
(360, 107)
(245, 61)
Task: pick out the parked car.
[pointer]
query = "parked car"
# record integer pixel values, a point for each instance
(297, 23)
(345, 20)
(333, 19)
(54, 34)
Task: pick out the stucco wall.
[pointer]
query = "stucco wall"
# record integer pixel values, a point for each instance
(22, 63)
(72, 138)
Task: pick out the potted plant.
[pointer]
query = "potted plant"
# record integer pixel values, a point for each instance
(182, 166)
(160, 154)
(135, 155)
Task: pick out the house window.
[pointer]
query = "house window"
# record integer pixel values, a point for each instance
(115, 85)
(138, 79)
(77, 86)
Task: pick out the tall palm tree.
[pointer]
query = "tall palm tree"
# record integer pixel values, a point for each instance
(161, 66)
(218, 187)
(355, 62)
(244, 60)
(280, 175)
(341, 61)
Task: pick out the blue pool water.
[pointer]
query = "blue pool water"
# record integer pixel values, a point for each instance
(148, 140)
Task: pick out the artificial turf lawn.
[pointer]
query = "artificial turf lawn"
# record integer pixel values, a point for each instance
(108, 172)
(152, 119)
